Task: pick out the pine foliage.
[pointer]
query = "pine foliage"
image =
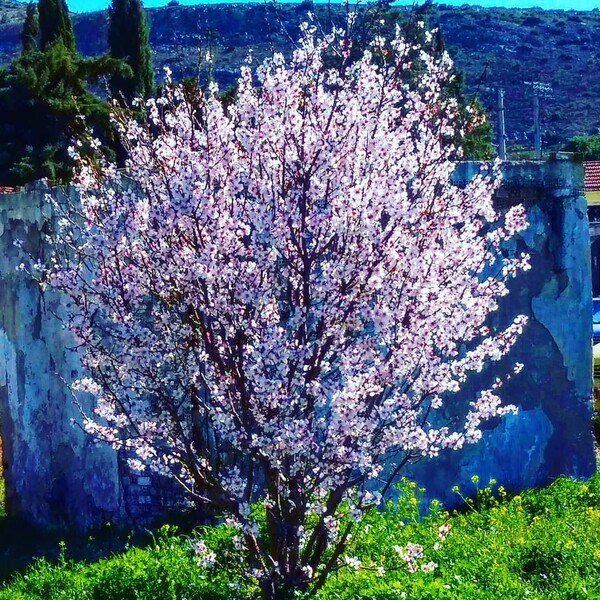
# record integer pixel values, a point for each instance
(45, 101)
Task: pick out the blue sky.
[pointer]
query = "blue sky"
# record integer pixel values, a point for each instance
(89, 5)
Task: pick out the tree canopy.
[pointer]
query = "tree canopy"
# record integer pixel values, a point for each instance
(45, 99)
(55, 24)
(287, 296)
(31, 28)
(128, 39)
(587, 145)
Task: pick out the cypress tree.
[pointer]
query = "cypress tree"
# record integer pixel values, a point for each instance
(43, 95)
(31, 28)
(128, 40)
(55, 24)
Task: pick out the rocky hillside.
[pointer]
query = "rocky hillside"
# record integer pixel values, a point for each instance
(494, 47)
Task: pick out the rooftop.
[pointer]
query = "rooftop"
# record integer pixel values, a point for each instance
(592, 176)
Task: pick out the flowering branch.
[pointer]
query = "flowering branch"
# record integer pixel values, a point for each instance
(281, 296)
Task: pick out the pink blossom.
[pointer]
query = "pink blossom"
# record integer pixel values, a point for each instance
(285, 291)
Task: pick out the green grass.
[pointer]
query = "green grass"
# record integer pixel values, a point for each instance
(2, 497)
(542, 544)
(166, 570)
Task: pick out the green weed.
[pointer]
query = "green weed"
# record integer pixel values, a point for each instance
(540, 545)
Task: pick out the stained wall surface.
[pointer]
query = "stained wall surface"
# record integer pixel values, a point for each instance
(551, 435)
(56, 475)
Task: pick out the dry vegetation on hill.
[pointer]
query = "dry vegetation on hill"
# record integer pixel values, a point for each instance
(494, 47)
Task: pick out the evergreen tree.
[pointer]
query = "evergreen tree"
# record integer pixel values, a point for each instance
(45, 103)
(587, 145)
(31, 29)
(55, 24)
(128, 39)
(476, 139)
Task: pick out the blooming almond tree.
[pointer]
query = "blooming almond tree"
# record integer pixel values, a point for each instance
(281, 297)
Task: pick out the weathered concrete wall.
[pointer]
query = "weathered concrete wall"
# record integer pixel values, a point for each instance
(56, 475)
(551, 434)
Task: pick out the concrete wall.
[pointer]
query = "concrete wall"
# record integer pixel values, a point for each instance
(551, 435)
(56, 476)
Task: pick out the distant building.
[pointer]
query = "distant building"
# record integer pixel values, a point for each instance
(592, 188)
(592, 195)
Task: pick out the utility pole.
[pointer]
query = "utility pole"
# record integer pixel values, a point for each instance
(537, 133)
(539, 89)
(501, 130)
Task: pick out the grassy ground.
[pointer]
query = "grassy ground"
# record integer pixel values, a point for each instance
(2, 488)
(541, 544)
(23, 546)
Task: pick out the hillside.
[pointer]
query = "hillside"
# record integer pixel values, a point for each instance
(494, 47)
